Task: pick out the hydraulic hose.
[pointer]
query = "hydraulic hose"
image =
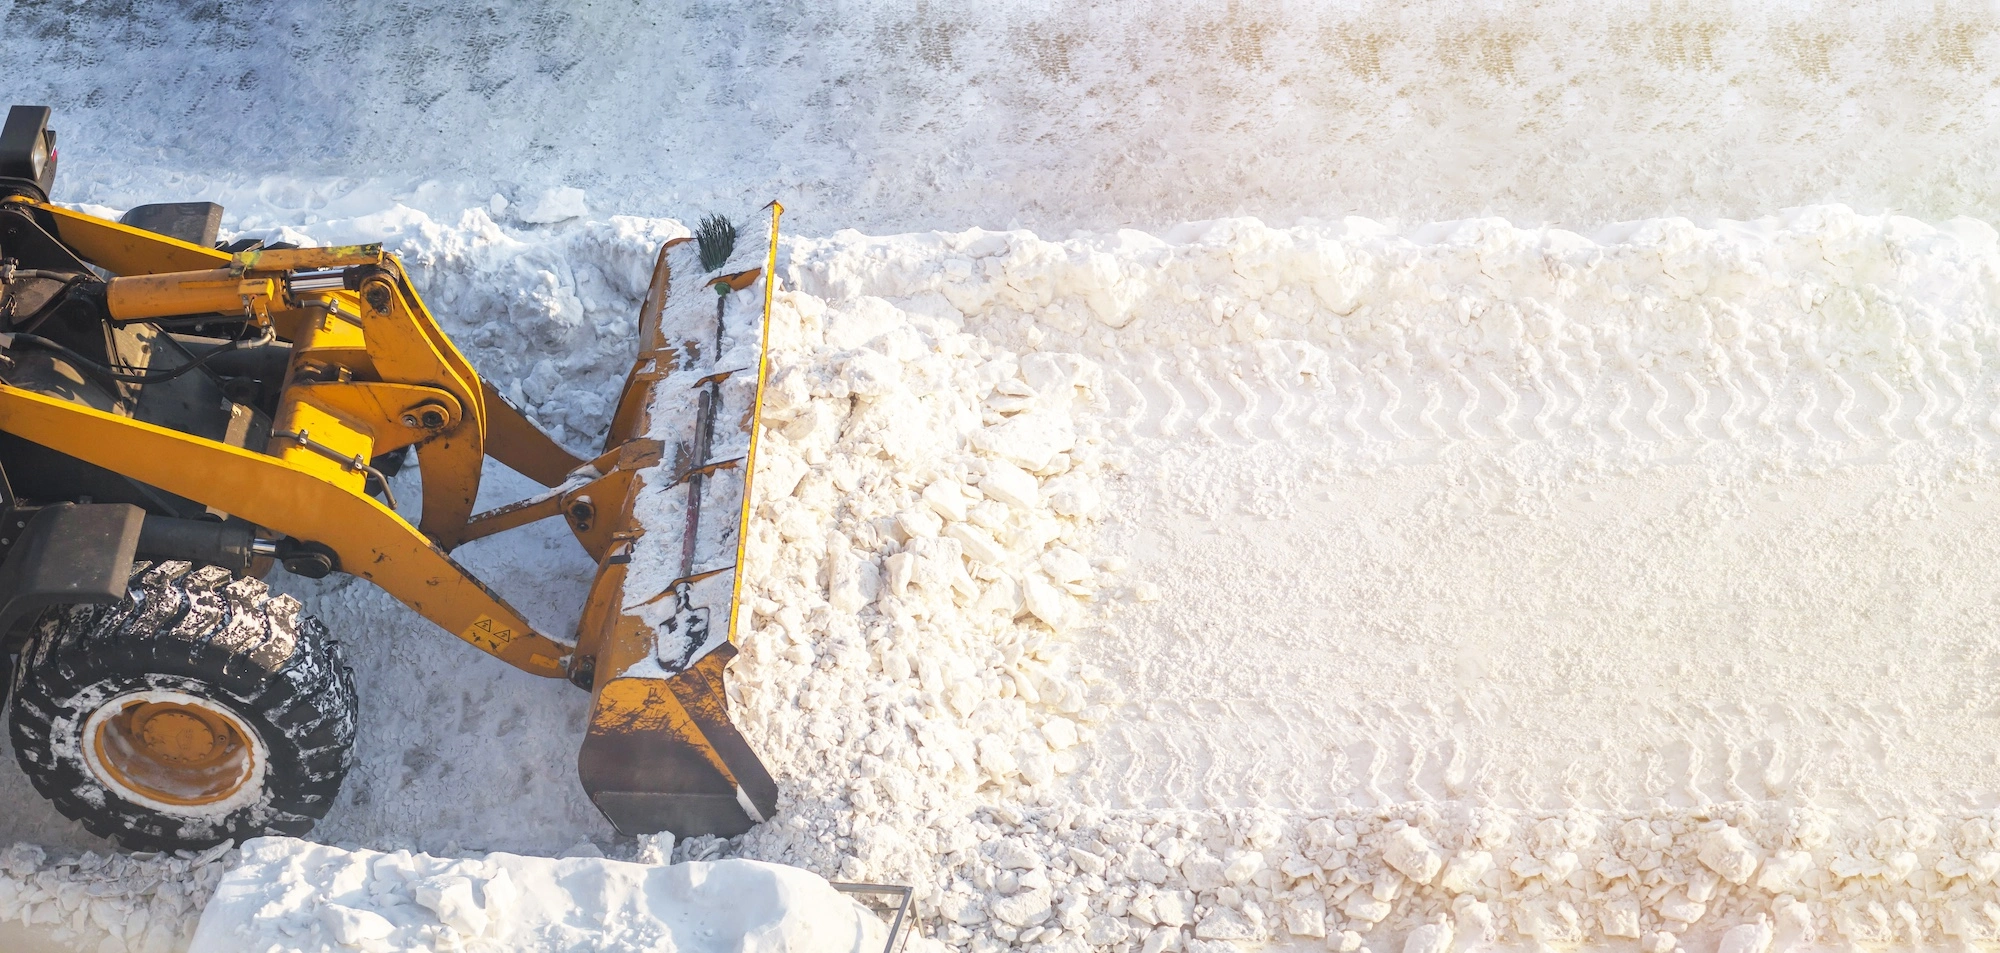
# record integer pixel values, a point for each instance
(109, 374)
(8, 273)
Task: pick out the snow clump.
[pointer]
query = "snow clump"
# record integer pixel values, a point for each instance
(113, 902)
(294, 895)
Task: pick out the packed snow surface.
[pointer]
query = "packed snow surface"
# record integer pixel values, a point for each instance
(1553, 521)
(892, 116)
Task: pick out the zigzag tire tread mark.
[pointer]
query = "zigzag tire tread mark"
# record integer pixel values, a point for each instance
(1241, 395)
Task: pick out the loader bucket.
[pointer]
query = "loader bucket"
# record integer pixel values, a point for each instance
(657, 631)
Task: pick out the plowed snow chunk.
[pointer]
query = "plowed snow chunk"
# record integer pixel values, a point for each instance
(296, 895)
(1046, 603)
(1010, 485)
(1678, 907)
(1012, 854)
(451, 899)
(352, 927)
(1465, 871)
(1731, 855)
(1022, 909)
(1747, 938)
(1029, 440)
(1413, 855)
(1429, 938)
(1226, 924)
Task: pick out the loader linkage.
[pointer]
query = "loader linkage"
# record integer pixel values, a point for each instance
(367, 373)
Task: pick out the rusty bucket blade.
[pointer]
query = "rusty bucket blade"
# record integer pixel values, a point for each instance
(662, 755)
(658, 629)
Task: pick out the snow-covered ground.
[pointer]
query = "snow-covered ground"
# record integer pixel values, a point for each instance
(1419, 580)
(889, 116)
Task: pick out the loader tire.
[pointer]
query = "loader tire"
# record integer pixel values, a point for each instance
(201, 709)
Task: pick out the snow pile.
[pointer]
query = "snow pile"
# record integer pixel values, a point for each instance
(1223, 379)
(914, 570)
(292, 895)
(111, 902)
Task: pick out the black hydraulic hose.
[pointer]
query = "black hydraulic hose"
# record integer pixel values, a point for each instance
(41, 315)
(9, 274)
(98, 372)
(107, 373)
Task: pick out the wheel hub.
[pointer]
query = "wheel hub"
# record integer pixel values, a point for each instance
(177, 734)
(179, 750)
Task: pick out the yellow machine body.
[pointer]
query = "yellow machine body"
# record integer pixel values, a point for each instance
(371, 372)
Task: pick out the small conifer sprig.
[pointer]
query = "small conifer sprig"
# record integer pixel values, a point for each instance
(716, 238)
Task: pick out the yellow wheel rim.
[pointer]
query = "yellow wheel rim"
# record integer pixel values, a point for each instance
(178, 750)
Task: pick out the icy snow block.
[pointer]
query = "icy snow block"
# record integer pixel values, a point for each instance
(292, 894)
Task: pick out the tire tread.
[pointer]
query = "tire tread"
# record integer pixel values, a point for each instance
(197, 629)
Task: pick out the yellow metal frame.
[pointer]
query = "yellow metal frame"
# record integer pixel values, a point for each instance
(757, 418)
(370, 372)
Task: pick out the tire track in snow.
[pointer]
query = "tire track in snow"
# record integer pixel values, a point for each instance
(1699, 395)
(1245, 423)
(1261, 394)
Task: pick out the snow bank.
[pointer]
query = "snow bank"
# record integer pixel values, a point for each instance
(292, 895)
(1308, 731)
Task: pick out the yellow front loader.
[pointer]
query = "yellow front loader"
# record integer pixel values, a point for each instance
(176, 418)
